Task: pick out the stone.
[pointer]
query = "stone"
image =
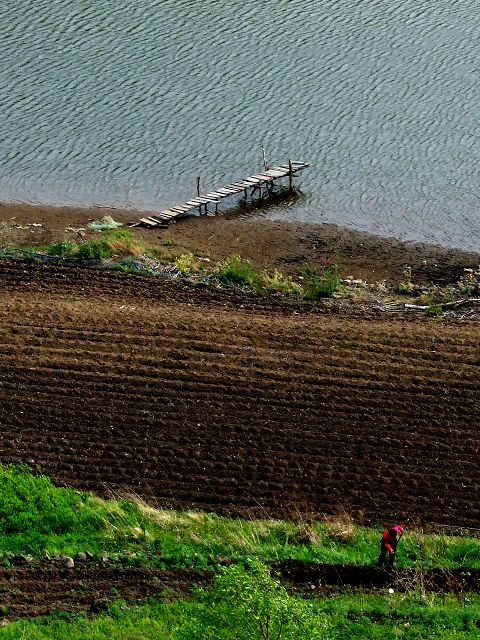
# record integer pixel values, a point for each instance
(21, 560)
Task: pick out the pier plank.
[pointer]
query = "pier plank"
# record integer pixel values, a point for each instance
(215, 194)
(214, 197)
(148, 222)
(226, 191)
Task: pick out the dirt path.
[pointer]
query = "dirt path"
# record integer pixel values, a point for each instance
(197, 398)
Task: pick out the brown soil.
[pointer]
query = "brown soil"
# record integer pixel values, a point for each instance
(194, 397)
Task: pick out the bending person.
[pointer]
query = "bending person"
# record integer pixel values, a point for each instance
(388, 545)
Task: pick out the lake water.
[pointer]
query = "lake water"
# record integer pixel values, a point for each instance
(124, 103)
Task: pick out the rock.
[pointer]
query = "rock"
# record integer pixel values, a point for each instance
(45, 557)
(104, 558)
(21, 560)
(68, 562)
(81, 557)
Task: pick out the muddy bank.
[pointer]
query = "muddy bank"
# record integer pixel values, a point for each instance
(267, 244)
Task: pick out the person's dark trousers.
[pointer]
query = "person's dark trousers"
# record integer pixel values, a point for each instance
(385, 555)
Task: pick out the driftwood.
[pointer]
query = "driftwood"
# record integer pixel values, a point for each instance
(444, 305)
(460, 303)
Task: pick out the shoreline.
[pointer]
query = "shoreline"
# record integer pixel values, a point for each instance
(286, 246)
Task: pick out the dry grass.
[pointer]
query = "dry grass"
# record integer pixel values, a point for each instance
(341, 526)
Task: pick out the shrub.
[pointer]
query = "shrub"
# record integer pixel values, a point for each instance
(33, 504)
(322, 285)
(185, 263)
(237, 270)
(406, 285)
(93, 250)
(64, 248)
(248, 604)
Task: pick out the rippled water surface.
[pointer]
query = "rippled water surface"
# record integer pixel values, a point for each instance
(125, 103)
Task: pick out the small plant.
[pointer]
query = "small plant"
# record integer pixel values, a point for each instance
(320, 285)
(434, 310)
(406, 285)
(169, 241)
(93, 250)
(239, 271)
(63, 248)
(469, 283)
(185, 263)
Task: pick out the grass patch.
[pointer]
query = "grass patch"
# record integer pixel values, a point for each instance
(235, 270)
(35, 516)
(239, 604)
(169, 241)
(238, 271)
(320, 285)
(119, 243)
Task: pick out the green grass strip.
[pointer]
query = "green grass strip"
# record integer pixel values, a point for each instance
(36, 516)
(412, 616)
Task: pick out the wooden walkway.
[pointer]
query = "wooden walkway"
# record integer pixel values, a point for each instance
(263, 179)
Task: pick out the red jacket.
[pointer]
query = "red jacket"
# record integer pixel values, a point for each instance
(390, 537)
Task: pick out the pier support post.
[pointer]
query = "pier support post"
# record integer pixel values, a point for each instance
(290, 175)
(264, 158)
(198, 195)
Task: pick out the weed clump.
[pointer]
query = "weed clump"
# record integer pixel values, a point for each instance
(93, 250)
(320, 285)
(63, 248)
(469, 283)
(185, 263)
(406, 285)
(235, 270)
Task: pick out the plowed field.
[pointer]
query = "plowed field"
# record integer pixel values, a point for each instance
(194, 397)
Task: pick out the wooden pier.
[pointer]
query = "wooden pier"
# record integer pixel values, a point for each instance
(255, 183)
